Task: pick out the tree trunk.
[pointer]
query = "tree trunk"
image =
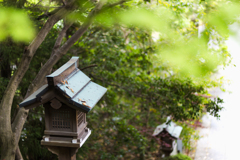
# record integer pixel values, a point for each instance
(7, 143)
(9, 135)
(18, 155)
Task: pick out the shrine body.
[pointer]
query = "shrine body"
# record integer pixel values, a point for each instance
(169, 133)
(67, 98)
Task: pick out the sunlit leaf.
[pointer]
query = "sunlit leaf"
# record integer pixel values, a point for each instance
(192, 57)
(15, 24)
(225, 15)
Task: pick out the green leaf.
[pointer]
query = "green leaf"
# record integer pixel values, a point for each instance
(15, 24)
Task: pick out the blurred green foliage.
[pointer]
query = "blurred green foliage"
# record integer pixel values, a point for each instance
(150, 56)
(15, 24)
(189, 135)
(178, 157)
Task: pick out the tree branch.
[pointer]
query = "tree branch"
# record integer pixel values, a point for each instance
(76, 51)
(18, 154)
(114, 4)
(61, 35)
(48, 14)
(37, 3)
(46, 28)
(31, 49)
(93, 65)
(58, 53)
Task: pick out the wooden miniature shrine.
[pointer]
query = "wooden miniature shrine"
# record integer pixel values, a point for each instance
(169, 133)
(67, 97)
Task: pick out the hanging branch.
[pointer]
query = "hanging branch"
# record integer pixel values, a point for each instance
(93, 65)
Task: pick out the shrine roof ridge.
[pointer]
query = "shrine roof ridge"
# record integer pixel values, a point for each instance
(73, 61)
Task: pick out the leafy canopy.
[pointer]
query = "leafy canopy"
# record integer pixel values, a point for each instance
(150, 56)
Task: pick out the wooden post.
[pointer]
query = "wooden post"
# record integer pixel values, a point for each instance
(67, 153)
(64, 153)
(167, 153)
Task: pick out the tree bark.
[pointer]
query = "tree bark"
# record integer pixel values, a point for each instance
(61, 35)
(18, 155)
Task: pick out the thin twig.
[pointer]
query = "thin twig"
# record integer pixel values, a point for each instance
(114, 4)
(61, 35)
(37, 6)
(93, 65)
(48, 14)
(37, 3)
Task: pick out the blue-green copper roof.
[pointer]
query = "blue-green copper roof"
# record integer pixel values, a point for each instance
(73, 84)
(34, 97)
(90, 95)
(171, 128)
